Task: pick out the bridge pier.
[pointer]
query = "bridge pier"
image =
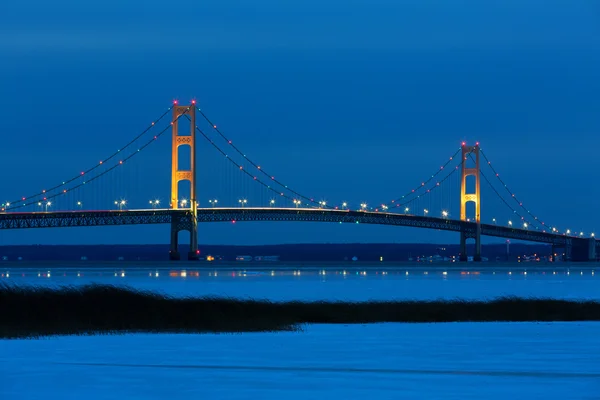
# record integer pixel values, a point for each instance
(583, 250)
(186, 221)
(174, 247)
(568, 249)
(464, 257)
(194, 253)
(477, 256)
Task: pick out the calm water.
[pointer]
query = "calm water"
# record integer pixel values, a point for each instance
(339, 283)
(383, 361)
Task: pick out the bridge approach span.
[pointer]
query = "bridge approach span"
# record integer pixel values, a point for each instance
(58, 219)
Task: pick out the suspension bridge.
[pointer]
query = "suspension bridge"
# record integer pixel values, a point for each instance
(427, 205)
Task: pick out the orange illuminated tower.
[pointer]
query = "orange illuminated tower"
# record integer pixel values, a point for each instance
(467, 153)
(186, 220)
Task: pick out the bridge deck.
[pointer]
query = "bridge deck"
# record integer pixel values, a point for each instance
(56, 219)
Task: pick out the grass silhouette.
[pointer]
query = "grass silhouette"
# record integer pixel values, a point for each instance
(31, 311)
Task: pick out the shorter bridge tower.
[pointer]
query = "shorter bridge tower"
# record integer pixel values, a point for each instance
(465, 198)
(187, 219)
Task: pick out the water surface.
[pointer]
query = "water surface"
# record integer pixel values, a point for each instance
(330, 283)
(382, 361)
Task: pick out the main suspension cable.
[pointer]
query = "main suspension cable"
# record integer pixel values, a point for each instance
(121, 162)
(87, 171)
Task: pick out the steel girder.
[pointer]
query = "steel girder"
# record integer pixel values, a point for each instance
(317, 215)
(85, 218)
(165, 216)
(132, 217)
(523, 234)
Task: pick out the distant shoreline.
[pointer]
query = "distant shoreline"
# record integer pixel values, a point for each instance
(307, 265)
(303, 253)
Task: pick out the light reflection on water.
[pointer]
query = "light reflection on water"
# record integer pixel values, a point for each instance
(334, 283)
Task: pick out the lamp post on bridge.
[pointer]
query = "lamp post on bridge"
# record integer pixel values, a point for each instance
(242, 202)
(344, 205)
(79, 204)
(184, 203)
(48, 204)
(213, 202)
(154, 203)
(40, 205)
(271, 202)
(297, 203)
(120, 204)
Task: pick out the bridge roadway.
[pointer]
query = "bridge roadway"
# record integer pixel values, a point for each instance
(55, 219)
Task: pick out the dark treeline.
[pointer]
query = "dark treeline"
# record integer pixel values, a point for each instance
(29, 311)
(393, 252)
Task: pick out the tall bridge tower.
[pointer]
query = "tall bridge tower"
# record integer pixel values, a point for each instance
(465, 198)
(187, 220)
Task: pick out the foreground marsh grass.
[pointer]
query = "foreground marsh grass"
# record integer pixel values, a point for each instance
(30, 311)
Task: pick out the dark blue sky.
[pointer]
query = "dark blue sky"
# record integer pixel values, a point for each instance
(346, 100)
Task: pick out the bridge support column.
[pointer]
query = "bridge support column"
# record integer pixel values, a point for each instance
(194, 253)
(583, 250)
(477, 255)
(184, 221)
(188, 220)
(470, 198)
(568, 249)
(174, 247)
(463, 247)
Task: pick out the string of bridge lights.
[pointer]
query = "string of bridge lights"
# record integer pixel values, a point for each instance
(309, 199)
(23, 201)
(321, 204)
(121, 162)
(246, 172)
(46, 192)
(510, 192)
(344, 205)
(526, 223)
(257, 166)
(423, 184)
(438, 184)
(502, 198)
(48, 195)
